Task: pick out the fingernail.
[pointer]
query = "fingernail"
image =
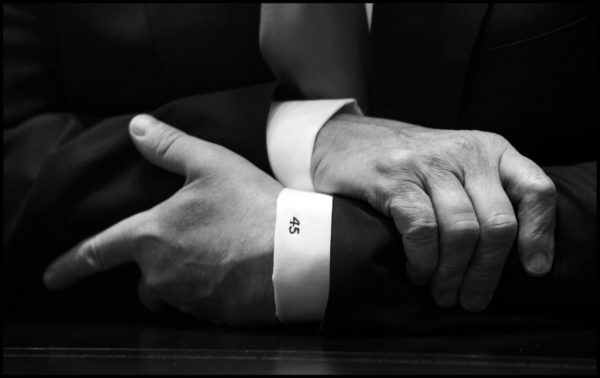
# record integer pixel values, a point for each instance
(538, 264)
(475, 302)
(141, 123)
(50, 280)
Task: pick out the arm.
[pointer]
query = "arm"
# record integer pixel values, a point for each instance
(576, 190)
(92, 176)
(207, 250)
(68, 175)
(369, 289)
(450, 194)
(448, 191)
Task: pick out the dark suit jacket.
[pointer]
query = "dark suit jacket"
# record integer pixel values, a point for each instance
(528, 72)
(73, 77)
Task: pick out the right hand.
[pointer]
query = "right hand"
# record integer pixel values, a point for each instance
(207, 250)
(449, 193)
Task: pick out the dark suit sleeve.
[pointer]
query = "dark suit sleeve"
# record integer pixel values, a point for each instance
(67, 176)
(370, 292)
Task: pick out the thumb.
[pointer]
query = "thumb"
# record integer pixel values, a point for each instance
(164, 145)
(534, 193)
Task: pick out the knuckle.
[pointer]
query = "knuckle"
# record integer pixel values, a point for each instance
(542, 188)
(467, 139)
(463, 230)
(384, 198)
(394, 160)
(401, 197)
(488, 137)
(395, 206)
(422, 230)
(500, 142)
(539, 234)
(405, 164)
(166, 141)
(480, 148)
(465, 142)
(90, 254)
(500, 227)
(438, 166)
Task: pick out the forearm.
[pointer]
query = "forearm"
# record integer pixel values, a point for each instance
(83, 168)
(87, 174)
(342, 139)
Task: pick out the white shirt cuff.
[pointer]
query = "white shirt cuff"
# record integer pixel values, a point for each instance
(292, 127)
(301, 255)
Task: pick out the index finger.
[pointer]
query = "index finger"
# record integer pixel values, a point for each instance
(106, 250)
(534, 194)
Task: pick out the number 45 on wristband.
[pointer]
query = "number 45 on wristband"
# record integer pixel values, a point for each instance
(294, 226)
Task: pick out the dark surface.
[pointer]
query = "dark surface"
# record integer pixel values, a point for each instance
(72, 348)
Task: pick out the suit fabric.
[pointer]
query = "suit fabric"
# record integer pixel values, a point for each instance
(74, 75)
(523, 71)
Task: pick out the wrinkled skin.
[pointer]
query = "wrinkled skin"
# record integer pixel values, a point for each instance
(207, 250)
(459, 198)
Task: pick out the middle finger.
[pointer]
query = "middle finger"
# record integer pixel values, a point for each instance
(498, 230)
(458, 231)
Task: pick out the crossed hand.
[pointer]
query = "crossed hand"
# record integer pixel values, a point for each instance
(208, 249)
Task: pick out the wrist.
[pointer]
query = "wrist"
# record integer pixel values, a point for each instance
(347, 153)
(322, 150)
(291, 130)
(335, 144)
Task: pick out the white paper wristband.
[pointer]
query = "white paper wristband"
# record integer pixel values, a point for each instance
(301, 255)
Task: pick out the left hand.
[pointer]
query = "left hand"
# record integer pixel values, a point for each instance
(207, 250)
(450, 194)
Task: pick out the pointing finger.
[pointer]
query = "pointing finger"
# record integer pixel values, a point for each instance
(497, 232)
(106, 250)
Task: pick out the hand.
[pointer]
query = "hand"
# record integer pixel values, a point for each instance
(208, 249)
(449, 193)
